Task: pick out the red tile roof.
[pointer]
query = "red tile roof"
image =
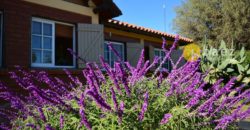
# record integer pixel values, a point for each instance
(148, 30)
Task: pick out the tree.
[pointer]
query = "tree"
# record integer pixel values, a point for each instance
(217, 20)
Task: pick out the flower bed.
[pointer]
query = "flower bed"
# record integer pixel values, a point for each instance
(124, 98)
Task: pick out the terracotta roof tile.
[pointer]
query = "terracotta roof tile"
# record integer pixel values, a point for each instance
(124, 24)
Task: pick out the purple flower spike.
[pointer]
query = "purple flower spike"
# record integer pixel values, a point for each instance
(49, 127)
(120, 112)
(42, 116)
(163, 43)
(61, 121)
(84, 120)
(141, 60)
(116, 53)
(98, 99)
(114, 98)
(31, 125)
(165, 119)
(144, 107)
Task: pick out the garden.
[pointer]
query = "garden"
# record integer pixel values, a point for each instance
(210, 92)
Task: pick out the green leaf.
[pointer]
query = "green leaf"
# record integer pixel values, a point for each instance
(74, 120)
(233, 61)
(247, 67)
(222, 45)
(248, 72)
(242, 52)
(242, 59)
(223, 65)
(229, 70)
(240, 68)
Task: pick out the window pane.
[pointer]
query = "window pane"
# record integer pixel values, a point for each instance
(47, 29)
(47, 57)
(106, 48)
(36, 42)
(36, 27)
(36, 56)
(162, 53)
(47, 43)
(110, 56)
(157, 53)
(106, 56)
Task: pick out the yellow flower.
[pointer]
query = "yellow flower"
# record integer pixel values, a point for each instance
(192, 52)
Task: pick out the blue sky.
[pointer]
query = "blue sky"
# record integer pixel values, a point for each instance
(149, 13)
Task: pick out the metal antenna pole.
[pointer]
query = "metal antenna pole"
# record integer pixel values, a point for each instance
(164, 15)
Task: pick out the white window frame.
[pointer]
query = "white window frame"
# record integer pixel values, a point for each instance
(160, 52)
(118, 43)
(1, 40)
(52, 65)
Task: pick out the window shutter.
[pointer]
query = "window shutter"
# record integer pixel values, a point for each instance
(176, 54)
(151, 53)
(134, 52)
(90, 43)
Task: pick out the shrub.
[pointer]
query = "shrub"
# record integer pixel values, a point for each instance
(224, 62)
(125, 98)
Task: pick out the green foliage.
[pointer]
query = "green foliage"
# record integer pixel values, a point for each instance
(224, 62)
(159, 105)
(247, 60)
(216, 19)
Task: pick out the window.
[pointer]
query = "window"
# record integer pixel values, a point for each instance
(161, 54)
(1, 37)
(50, 41)
(110, 56)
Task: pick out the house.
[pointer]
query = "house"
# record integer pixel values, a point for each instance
(36, 34)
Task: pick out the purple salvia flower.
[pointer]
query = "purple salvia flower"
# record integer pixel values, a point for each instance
(93, 74)
(49, 127)
(160, 79)
(42, 116)
(84, 120)
(144, 107)
(163, 43)
(99, 73)
(114, 98)
(143, 71)
(178, 62)
(70, 76)
(167, 55)
(208, 104)
(76, 55)
(115, 52)
(131, 68)
(120, 112)
(192, 102)
(61, 121)
(155, 61)
(124, 80)
(31, 126)
(141, 60)
(4, 127)
(111, 74)
(90, 81)
(98, 99)
(172, 89)
(165, 119)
